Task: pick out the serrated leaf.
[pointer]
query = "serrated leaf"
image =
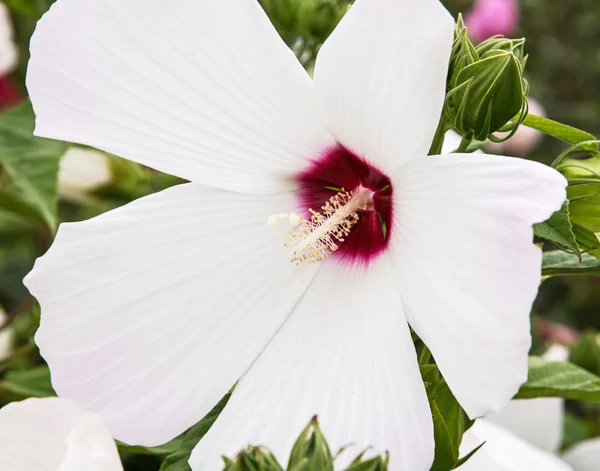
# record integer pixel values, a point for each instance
(557, 262)
(34, 382)
(178, 461)
(560, 131)
(558, 229)
(31, 163)
(559, 379)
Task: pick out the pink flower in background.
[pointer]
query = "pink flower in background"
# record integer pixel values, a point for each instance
(488, 18)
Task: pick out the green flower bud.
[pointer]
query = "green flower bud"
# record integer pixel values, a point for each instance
(499, 43)
(463, 51)
(486, 95)
(379, 463)
(311, 451)
(583, 194)
(252, 459)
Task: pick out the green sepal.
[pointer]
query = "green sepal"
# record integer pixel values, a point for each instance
(311, 450)
(252, 459)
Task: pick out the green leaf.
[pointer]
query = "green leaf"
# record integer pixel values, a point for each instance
(586, 352)
(31, 163)
(560, 131)
(449, 419)
(559, 379)
(162, 450)
(558, 229)
(558, 262)
(34, 382)
(178, 461)
(585, 215)
(467, 457)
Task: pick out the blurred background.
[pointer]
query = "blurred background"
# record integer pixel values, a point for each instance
(45, 182)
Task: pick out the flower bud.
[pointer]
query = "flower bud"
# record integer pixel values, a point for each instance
(463, 51)
(498, 43)
(486, 95)
(252, 459)
(583, 194)
(524, 140)
(311, 450)
(379, 463)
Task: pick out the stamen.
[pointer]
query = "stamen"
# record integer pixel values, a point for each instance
(318, 238)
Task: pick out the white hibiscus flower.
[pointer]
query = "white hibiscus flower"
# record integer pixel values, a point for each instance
(53, 434)
(83, 171)
(150, 313)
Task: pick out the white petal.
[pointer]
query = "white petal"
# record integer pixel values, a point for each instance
(6, 337)
(202, 89)
(346, 355)
(504, 451)
(537, 421)
(82, 171)
(151, 312)
(584, 456)
(9, 54)
(90, 447)
(46, 435)
(451, 142)
(381, 77)
(467, 266)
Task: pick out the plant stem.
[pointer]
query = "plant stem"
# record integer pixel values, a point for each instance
(464, 145)
(438, 139)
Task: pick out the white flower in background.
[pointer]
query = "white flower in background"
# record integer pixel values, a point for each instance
(53, 434)
(6, 337)
(537, 421)
(525, 436)
(584, 456)
(150, 313)
(504, 451)
(8, 48)
(83, 171)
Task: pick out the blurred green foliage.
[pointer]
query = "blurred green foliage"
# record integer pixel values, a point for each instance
(563, 70)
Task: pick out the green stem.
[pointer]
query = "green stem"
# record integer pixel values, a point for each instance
(438, 139)
(464, 145)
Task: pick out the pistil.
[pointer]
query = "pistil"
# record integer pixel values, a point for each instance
(316, 239)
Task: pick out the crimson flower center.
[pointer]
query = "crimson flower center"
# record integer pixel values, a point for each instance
(347, 208)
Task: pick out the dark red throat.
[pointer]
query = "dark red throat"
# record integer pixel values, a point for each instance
(339, 168)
